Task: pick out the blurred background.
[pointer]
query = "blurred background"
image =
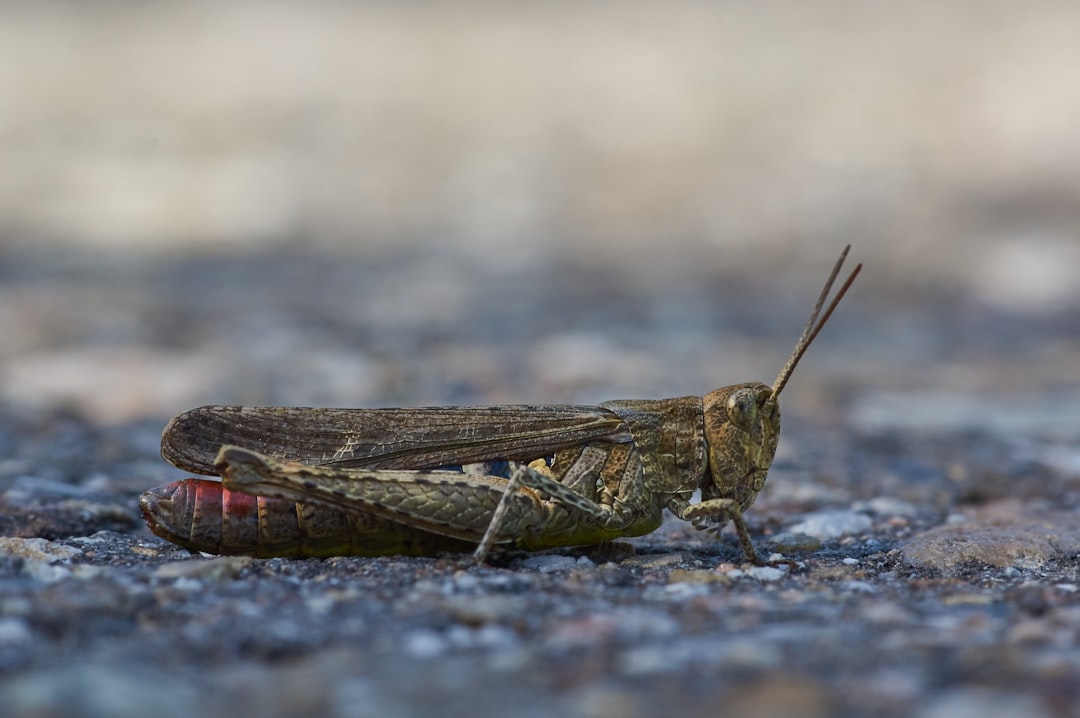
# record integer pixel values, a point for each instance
(377, 203)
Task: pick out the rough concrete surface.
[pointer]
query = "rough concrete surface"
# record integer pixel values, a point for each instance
(367, 204)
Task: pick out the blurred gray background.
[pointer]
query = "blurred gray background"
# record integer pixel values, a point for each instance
(717, 153)
(602, 192)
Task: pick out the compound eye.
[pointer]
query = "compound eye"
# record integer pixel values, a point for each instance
(742, 408)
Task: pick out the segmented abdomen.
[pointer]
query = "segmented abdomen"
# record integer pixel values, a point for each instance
(202, 515)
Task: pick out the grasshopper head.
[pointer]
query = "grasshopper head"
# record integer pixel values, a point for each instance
(742, 426)
(742, 422)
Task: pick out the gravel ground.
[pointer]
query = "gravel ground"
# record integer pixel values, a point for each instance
(485, 207)
(931, 519)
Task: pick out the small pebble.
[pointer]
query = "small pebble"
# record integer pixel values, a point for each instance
(424, 644)
(860, 587)
(789, 542)
(766, 574)
(887, 506)
(550, 563)
(215, 569)
(683, 591)
(832, 524)
(15, 632)
(45, 572)
(37, 549)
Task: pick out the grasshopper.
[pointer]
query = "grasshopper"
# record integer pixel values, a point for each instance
(320, 482)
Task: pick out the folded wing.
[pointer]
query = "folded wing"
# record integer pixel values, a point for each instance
(422, 438)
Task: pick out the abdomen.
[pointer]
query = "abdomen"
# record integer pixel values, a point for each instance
(202, 515)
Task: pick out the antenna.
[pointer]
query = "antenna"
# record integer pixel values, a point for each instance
(813, 326)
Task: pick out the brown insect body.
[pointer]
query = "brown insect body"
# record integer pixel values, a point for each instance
(372, 482)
